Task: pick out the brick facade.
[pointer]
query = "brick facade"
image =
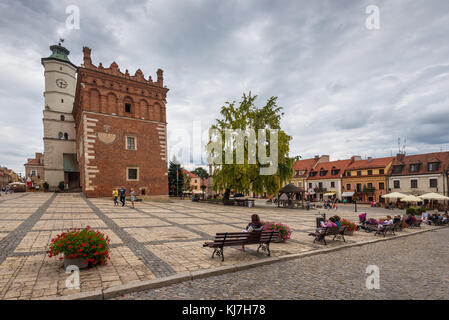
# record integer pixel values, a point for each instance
(109, 107)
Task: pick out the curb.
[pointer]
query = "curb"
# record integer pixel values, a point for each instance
(188, 276)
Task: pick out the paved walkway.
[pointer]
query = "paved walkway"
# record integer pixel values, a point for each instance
(152, 241)
(410, 268)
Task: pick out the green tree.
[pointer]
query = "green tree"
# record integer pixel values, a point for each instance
(175, 178)
(201, 172)
(187, 181)
(246, 177)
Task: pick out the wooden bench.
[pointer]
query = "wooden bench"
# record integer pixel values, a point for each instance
(387, 228)
(231, 239)
(321, 233)
(416, 224)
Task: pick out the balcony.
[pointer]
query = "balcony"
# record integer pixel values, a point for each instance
(368, 189)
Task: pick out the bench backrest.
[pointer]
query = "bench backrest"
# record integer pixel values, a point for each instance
(334, 230)
(241, 238)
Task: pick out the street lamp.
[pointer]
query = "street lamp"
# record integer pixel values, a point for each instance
(355, 205)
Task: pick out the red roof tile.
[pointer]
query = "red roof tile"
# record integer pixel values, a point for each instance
(367, 164)
(423, 159)
(340, 165)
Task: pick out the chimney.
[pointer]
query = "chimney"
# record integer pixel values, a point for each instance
(160, 77)
(370, 159)
(317, 157)
(87, 60)
(400, 157)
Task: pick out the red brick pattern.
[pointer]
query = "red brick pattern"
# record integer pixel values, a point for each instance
(109, 106)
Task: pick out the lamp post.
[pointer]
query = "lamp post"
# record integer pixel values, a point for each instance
(355, 205)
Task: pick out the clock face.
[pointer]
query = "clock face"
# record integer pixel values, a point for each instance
(61, 83)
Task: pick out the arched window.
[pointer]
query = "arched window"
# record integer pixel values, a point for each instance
(60, 135)
(62, 118)
(66, 136)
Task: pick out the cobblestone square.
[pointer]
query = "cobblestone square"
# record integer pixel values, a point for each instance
(156, 239)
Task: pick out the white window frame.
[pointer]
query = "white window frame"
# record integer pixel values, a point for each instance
(126, 141)
(127, 174)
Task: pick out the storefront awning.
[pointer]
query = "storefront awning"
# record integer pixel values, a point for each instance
(329, 194)
(347, 194)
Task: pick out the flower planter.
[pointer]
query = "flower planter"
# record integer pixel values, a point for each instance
(228, 202)
(349, 232)
(75, 262)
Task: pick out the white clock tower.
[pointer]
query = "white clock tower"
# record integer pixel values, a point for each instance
(60, 163)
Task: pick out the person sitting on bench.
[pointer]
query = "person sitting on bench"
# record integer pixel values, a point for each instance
(329, 223)
(254, 225)
(337, 221)
(385, 223)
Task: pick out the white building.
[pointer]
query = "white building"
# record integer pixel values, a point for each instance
(60, 162)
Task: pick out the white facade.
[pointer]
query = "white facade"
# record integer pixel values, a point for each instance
(422, 184)
(331, 186)
(59, 125)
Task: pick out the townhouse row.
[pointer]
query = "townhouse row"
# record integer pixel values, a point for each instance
(366, 180)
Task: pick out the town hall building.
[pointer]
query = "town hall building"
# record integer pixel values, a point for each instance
(104, 129)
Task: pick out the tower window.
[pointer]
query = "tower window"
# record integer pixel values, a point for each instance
(60, 135)
(60, 68)
(62, 100)
(66, 136)
(128, 107)
(130, 143)
(62, 118)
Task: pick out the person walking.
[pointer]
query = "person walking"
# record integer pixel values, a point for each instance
(133, 197)
(115, 195)
(122, 193)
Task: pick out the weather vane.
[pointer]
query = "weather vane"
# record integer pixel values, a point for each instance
(61, 40)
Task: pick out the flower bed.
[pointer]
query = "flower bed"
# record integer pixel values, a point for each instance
(88, 245)
(284, 231)
(351, 227)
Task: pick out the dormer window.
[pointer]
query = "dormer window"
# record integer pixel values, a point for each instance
(397, 169)
(312, 173)
(323, 173)
(432, 166)
(414, 167)
(335, 171)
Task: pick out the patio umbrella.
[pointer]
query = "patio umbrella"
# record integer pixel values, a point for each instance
(433, 196)
(411, 198)
(394, 195)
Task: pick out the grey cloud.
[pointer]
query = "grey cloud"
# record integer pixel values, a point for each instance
(376, 85)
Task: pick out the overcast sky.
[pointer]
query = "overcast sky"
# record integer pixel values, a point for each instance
(345, 89)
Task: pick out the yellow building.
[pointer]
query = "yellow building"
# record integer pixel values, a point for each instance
(366, 180)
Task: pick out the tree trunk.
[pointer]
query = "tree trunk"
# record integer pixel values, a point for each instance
(227, 194)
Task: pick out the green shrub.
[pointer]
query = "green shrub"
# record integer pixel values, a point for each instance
(415, 211)
(61, 185)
